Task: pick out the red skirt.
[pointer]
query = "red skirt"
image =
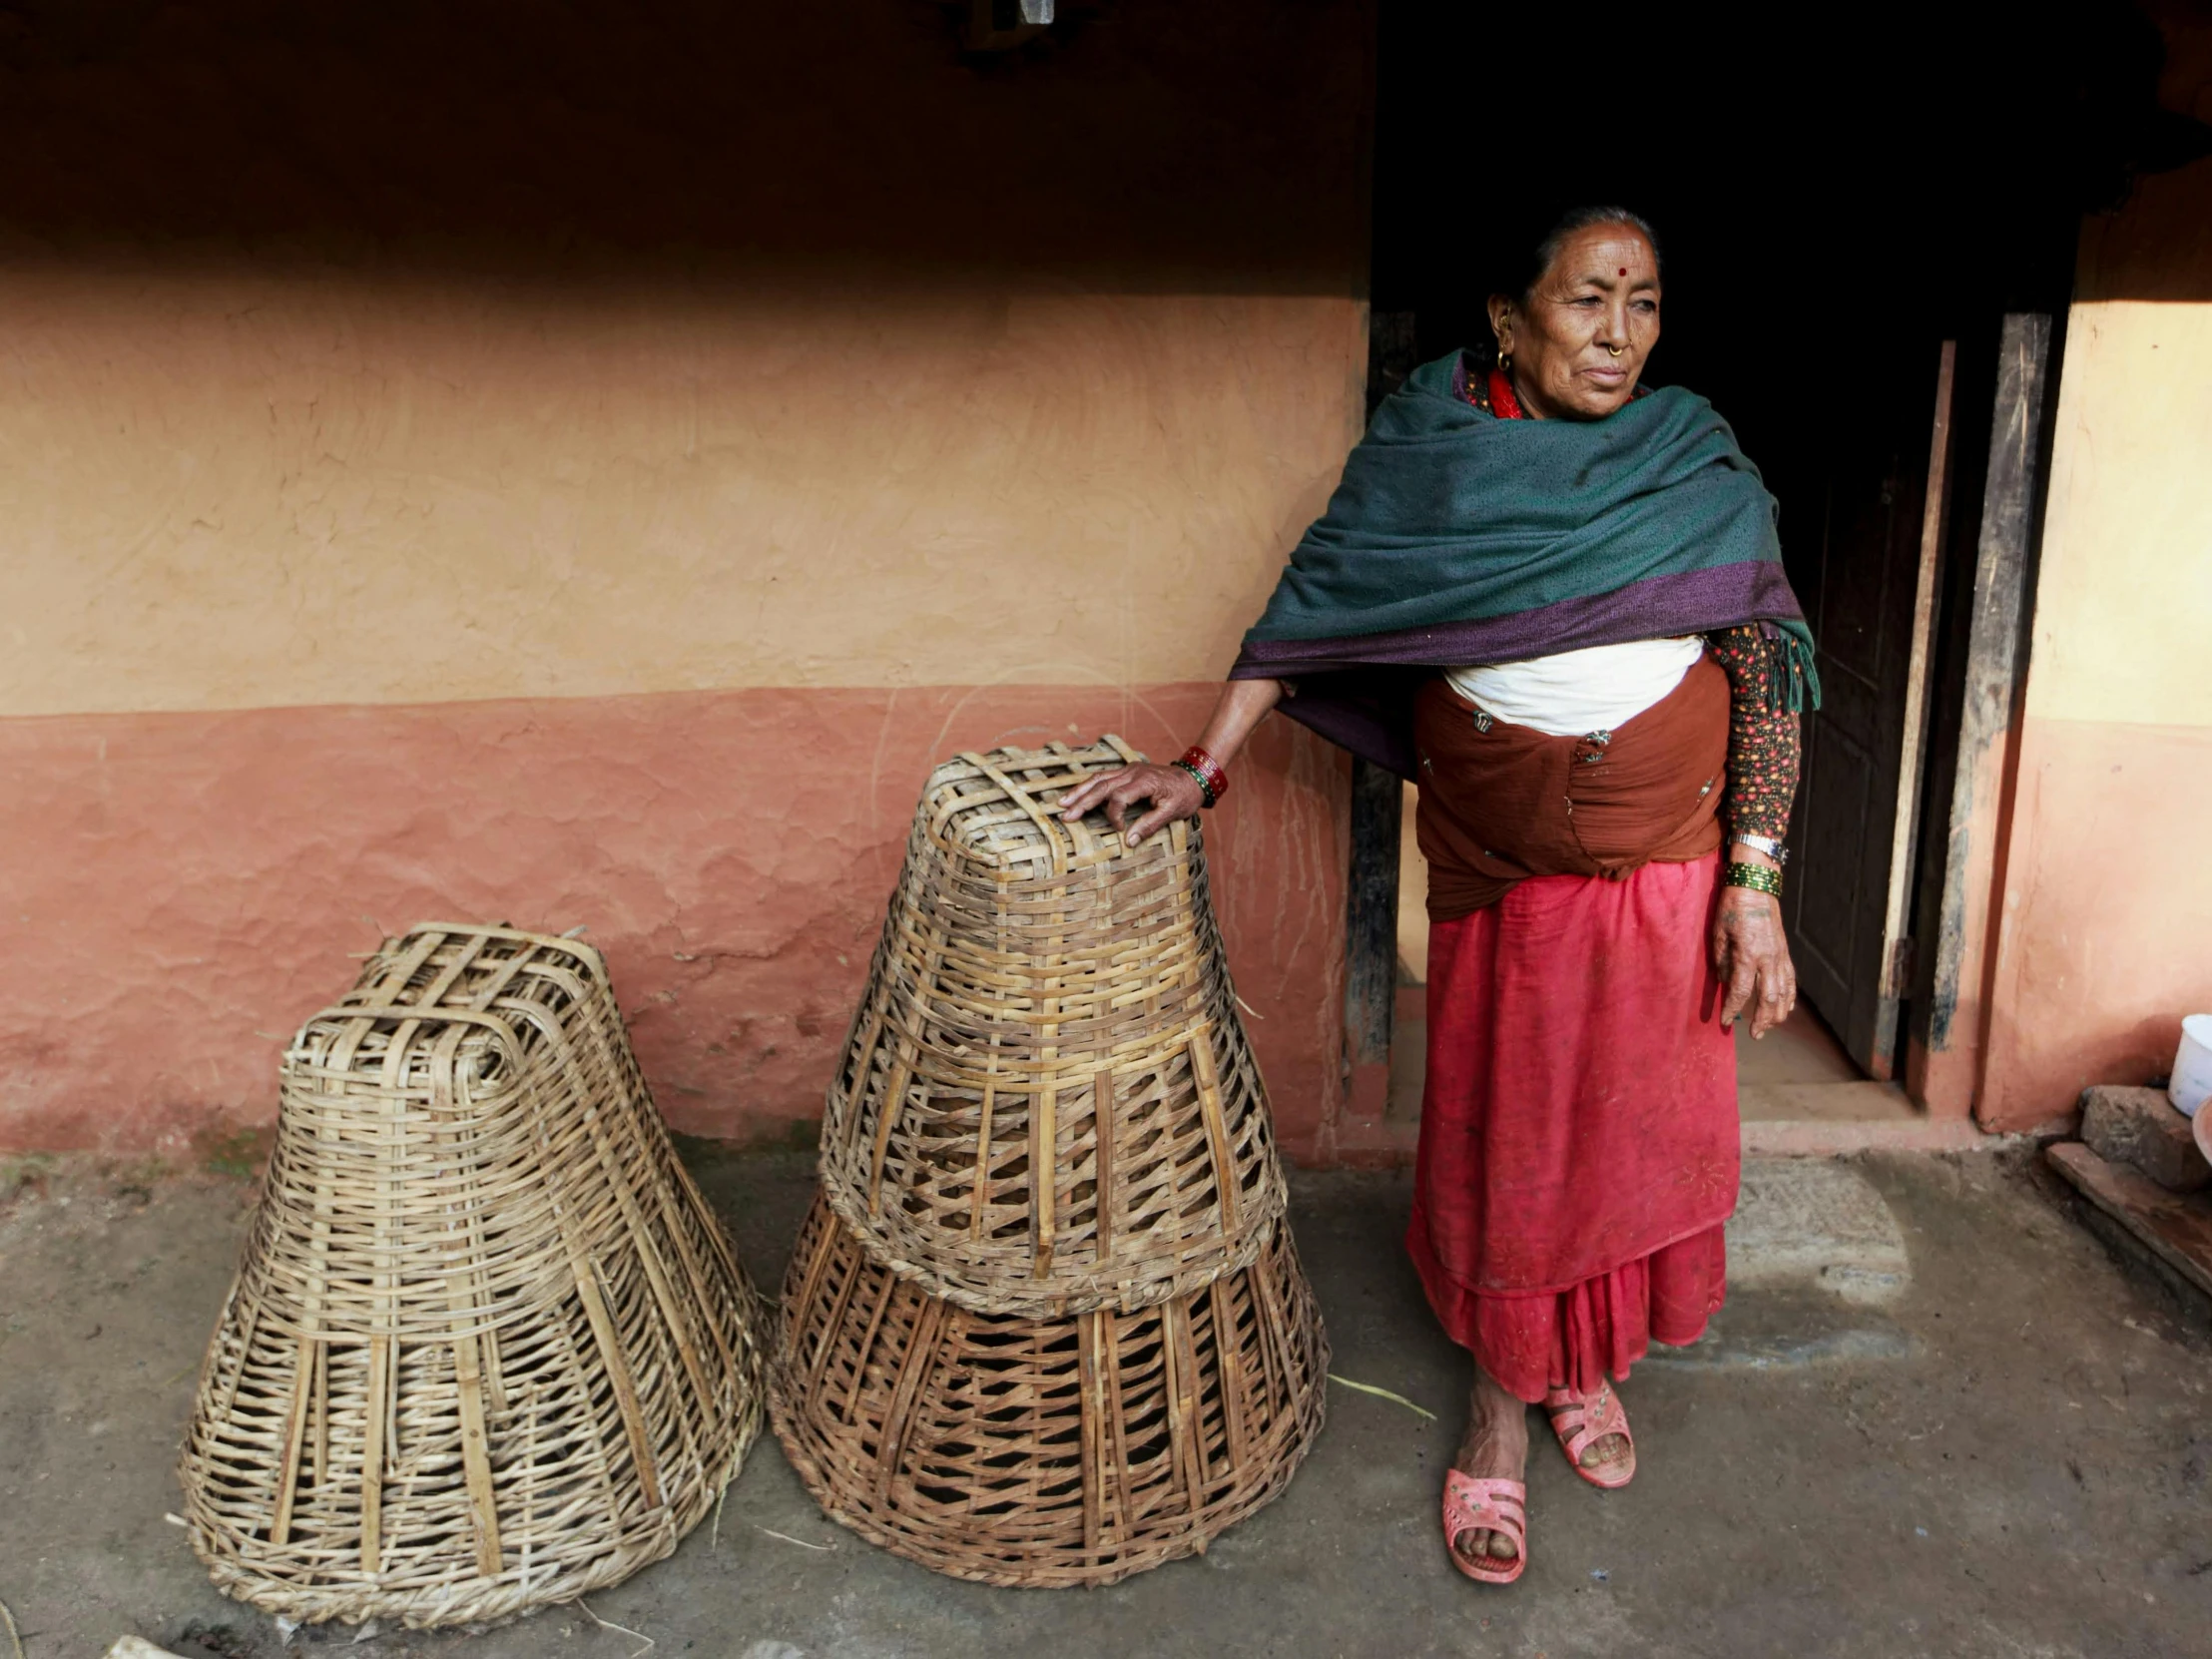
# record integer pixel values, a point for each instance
(1579, 1146)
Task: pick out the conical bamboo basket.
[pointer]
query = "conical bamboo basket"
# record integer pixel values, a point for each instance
(1042, 1452)
(1047, 1104)
(488, 1348)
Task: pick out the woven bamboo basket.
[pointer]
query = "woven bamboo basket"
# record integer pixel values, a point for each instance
(1045, 1453)
(488, 1348)
(1047, 1104)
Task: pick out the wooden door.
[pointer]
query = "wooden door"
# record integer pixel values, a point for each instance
(1873, 613)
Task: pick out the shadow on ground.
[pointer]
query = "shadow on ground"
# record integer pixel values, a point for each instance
(2002, 1451)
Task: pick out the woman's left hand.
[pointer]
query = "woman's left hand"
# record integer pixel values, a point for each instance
(1753, 959)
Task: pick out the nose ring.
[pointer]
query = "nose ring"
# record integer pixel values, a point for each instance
(1614, 350)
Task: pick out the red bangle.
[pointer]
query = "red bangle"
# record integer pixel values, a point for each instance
(1211, 778)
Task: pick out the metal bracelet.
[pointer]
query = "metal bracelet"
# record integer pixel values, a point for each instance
(1767, 845)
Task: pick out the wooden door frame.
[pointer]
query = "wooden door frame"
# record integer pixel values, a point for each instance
(1896, 975)
(1964, 869)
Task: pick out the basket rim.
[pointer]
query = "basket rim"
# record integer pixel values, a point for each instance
(1098, 1290)
(1062, 847)
(589, 954)
(495, 1027)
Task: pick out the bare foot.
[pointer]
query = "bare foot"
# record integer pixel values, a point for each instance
(1496, 1447)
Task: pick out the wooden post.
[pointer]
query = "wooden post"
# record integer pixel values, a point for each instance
(1943, 1067)
(1378, 801)
(1371, 935)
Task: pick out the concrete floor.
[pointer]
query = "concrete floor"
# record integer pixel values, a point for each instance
(1936, 1418)
(1801, 1049)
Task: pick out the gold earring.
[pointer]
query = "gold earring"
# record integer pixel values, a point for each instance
(1504, 360)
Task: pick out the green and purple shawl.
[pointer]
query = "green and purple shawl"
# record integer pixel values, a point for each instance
(1457, 539)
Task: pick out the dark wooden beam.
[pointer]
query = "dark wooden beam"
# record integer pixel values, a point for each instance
(1370, 892)
(1370, 918)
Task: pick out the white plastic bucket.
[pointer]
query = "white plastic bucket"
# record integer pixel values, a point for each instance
(2191, 1084)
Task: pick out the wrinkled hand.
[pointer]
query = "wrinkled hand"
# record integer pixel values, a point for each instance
(1753, 959)
(1172, 791)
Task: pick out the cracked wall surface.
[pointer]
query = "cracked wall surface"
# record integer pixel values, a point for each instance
(187, 889)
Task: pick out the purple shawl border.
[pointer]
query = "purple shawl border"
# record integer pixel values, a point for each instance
(1359, 694)
(1682, 602)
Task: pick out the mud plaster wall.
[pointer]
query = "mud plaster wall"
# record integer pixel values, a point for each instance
(587, 475)
(621, 348)
(2102, 946)
(254, 488)
(191, 886)
(2124, 602)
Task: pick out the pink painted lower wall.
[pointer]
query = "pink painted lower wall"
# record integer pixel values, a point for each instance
(180, 891)
(2106, 935)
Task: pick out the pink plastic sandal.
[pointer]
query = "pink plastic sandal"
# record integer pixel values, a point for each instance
(1487, 1504)
(1580, 1423)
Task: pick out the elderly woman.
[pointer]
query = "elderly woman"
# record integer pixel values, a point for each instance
(1555, 600)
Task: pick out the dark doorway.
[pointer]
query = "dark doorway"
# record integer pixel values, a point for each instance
(1834, 209)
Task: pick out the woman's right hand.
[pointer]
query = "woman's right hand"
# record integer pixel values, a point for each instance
(1172, 791)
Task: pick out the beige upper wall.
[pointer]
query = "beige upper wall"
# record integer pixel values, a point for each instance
(252, 488)
(2123, 607)
(404, 355)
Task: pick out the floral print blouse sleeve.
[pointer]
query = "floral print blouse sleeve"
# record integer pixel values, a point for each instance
(1763, 741)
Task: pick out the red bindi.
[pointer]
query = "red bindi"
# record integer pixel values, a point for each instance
(1624, 270)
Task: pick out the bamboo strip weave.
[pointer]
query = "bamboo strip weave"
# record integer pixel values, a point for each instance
(1042, 1452)
(487, 1347)
(1047, 1104)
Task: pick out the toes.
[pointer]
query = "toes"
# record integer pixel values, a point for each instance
(1482, 1545)
(1613, 1448)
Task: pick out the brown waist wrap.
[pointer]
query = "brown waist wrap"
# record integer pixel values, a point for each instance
(1501, 801)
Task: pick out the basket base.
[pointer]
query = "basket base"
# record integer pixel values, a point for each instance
(1042, 1453)
(479, 1603)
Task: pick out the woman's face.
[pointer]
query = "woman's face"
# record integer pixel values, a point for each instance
(1579, 340)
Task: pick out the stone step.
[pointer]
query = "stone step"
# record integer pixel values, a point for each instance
(2175, 1227)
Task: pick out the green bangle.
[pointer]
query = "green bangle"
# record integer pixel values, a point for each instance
(1758, 878)
(1205, 790)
